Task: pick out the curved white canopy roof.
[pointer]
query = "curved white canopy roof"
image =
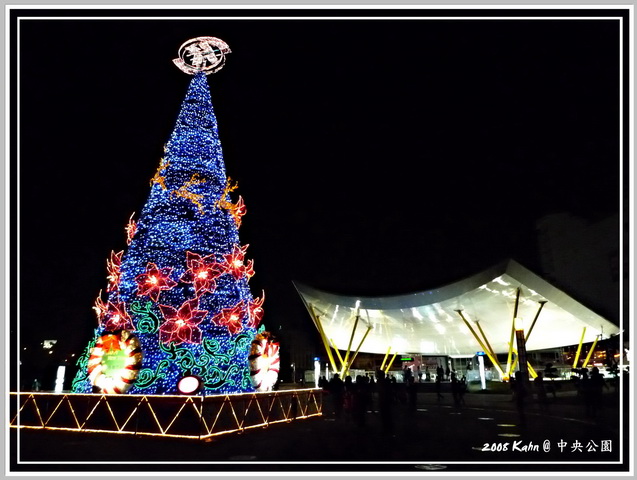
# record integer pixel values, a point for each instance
(429, 323)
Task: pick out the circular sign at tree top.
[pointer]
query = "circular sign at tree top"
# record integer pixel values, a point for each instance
(202, 54)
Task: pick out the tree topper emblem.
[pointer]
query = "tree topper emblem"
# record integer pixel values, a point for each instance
(202, 54)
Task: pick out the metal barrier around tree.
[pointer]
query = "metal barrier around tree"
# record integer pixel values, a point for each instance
(194, 417)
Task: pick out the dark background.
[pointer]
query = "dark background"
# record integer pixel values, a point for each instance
(375, 157)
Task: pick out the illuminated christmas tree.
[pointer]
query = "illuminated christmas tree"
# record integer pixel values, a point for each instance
(178, 301)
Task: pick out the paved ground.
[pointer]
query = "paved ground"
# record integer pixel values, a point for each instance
(487, 433)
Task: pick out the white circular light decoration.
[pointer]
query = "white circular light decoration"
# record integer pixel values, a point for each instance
(264, 362)
(202, 54)
(189, 385)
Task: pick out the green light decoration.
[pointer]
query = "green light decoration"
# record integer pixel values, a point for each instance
(82, 362)
(147, 321)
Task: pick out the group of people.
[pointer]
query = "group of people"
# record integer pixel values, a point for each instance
(591, 385)
(349, 397)
(353, 398)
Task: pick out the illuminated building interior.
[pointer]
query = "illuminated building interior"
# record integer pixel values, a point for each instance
(460, 319)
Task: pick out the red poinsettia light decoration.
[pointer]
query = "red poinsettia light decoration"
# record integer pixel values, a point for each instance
(181, 326)
(202, 272)
(249, 269)
(100, 308)
(234, 263)
(131, 229)
(117, 317)
(113, 267)
(231, 318)
(154, 281)
(255, 311)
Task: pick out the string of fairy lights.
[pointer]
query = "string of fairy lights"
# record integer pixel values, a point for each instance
(182, 284)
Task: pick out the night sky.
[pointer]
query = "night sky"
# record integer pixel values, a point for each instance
(374, 156)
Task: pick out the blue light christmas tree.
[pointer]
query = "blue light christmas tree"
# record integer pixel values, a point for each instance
(179, 303)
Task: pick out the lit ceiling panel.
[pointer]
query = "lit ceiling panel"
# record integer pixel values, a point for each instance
(429, 322)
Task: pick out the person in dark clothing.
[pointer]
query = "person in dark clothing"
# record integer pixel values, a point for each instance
(361, 400)
(336, 388)
(462, 389)
(550, 372)
(596, 384)
(512, 387)
(540, 391)
(385, 400)
(440, 372)
(454, 387)
(439, 383)
(407, 374)
(521, 393)
(412, 395)
(584, 391)
(349, 391)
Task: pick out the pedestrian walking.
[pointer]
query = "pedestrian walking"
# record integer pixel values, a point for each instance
(412, 395)
(596, 386)
(385, 400)
(336, 389)
(360, 400)
(520, 394)
(349, 392)
(584, 391)
(454, 388)
(462, 389)
(439, 385)
(540, 391)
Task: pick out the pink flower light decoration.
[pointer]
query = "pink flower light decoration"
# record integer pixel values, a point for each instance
(202, 272)
(117, 318)
(255, 311)
(231, 318)
(131, 229)
(181, 326)
(234, 263)
(154, 281)
(100, 308)
(113, 267)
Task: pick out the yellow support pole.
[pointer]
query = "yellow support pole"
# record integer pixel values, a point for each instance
(319, 327)
(531, 370)
(515, 364)
(339, 357)
(390, 363)
(590, 353)
(349, 347)
(382, 365)
(514, 351)
(486, 340)
(360, 345)
(579, 348)
(528, 334)
(493, 358)
(515, 314)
